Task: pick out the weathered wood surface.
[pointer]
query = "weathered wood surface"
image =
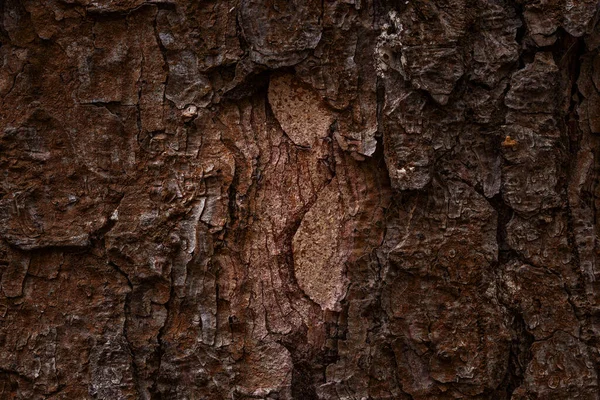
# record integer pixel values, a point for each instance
(299, 199)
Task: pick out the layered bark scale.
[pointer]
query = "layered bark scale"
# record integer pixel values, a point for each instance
(299, 200)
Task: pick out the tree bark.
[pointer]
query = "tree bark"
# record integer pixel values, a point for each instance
(299, 199)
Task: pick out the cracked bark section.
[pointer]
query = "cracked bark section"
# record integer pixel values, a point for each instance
(299, 199)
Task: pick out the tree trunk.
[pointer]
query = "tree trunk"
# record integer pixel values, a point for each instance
(299, 199)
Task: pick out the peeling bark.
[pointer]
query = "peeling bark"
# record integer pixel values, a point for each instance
(250, 199)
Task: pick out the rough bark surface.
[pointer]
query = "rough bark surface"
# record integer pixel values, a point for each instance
(299, 199)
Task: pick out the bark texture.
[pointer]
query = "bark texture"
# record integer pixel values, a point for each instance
(299, 199)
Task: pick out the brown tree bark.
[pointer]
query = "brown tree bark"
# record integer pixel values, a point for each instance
(298, 199)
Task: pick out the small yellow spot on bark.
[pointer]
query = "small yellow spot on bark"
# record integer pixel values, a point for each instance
(509, 142)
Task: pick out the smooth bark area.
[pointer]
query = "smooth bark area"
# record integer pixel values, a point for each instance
(299, 199)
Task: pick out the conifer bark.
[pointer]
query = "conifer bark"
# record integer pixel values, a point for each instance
(299, 199)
